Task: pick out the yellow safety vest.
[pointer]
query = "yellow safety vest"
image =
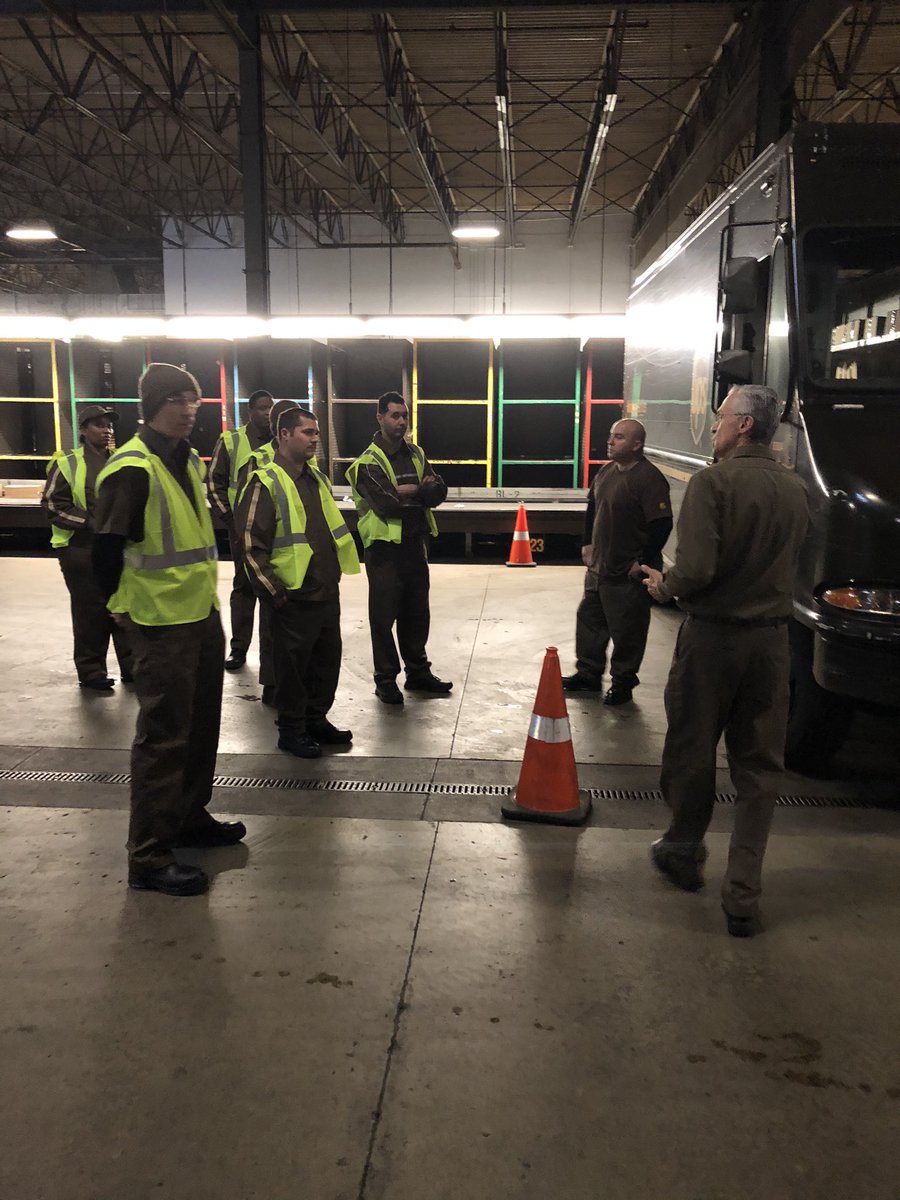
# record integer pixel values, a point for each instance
(169, 578)
(291, 551)
(74, 470)
(371, 527)
(237, 443)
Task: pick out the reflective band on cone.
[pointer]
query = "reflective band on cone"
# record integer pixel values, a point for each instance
(548, 782)
(520, 550)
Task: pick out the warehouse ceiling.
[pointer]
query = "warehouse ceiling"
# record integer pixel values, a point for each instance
(115, 117)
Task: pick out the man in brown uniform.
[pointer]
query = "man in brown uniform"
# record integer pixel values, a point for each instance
(740, 529)
(230, 458)
(296, 546)
(628, 520)
(154, 557)
(69, 499)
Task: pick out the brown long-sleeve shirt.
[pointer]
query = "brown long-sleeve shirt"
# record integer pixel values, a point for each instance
(219, 474)
(383, 498)
(628, 519)
(59, 503)
(740, 529)
(255, 522)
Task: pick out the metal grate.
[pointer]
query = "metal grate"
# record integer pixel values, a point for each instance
(416, 788)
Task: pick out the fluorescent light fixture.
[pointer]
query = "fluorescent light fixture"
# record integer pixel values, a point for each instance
(220, 329)
(476, 233)
(114, 329)
(316, 327)
(34, 328)
(36, 232)
(416, 327)
(505, 325)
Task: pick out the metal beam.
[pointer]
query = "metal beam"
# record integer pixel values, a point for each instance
(601, 118)
(504, 120)
(296, 71)
(253, 165)
(131, 7)
(723, 110)
(403, 99)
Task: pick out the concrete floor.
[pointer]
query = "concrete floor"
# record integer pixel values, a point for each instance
(391, 996)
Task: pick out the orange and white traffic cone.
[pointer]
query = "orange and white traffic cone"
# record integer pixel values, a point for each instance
(548, 782)
(520, 550)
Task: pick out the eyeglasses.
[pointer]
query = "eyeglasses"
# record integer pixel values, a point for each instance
(180, 402)
(720, 416)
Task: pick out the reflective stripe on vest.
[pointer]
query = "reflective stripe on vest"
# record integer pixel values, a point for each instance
(291, 550)
(169, 578)
(239, 452)
(73, 469)
(370, 526)
(289, 537)
(170, 557)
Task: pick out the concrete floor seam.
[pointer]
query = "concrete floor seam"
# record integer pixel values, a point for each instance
(487, 584)
(395, 1031)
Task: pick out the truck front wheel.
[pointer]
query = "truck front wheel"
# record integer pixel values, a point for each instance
(819, 720)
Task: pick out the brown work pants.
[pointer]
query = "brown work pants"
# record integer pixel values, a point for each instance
(243, 600)
(91, 623)
(178, 671)
(731, 679)
(306, 642)
(616, 610)
(399, 583)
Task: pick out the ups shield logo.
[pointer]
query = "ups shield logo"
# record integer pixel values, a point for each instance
(699, 395)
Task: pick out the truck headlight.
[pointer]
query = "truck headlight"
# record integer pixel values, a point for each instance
(871, 600)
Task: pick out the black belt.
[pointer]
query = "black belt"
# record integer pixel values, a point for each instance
(743, 622)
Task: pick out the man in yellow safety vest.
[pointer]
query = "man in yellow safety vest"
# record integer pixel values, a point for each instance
(155, 558)
(230, 456)
(296, 546)
(395, 489)
(68, 500)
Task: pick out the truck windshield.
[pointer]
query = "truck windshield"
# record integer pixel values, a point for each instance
(851, 307)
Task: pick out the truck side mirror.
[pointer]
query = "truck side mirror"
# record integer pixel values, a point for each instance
(734, 366)
(741, 285)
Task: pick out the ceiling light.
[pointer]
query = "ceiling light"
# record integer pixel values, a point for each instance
(37, 232)
(476, 233)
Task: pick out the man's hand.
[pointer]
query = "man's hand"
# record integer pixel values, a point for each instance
(407, 489)
(587, 555)
(635, 571)
(653, 580)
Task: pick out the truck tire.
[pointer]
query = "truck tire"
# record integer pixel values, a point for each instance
(819, 720)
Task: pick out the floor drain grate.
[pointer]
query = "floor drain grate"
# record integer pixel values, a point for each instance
(414, 788)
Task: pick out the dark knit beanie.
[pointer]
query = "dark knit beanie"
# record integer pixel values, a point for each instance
(277, 411)
(159, 382)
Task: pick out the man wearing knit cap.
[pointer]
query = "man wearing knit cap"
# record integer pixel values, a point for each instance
(155, 560)
(68, 500)
(231, 454)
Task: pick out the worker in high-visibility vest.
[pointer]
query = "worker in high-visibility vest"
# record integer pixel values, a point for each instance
(155, 558)
(230, 456)
(395, 489)
(297, 546)
(68, 500)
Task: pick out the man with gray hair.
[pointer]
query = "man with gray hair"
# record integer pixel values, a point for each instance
(740, 529)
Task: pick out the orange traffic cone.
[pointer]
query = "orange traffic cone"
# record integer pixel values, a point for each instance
(548, 782)
(520, 550)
